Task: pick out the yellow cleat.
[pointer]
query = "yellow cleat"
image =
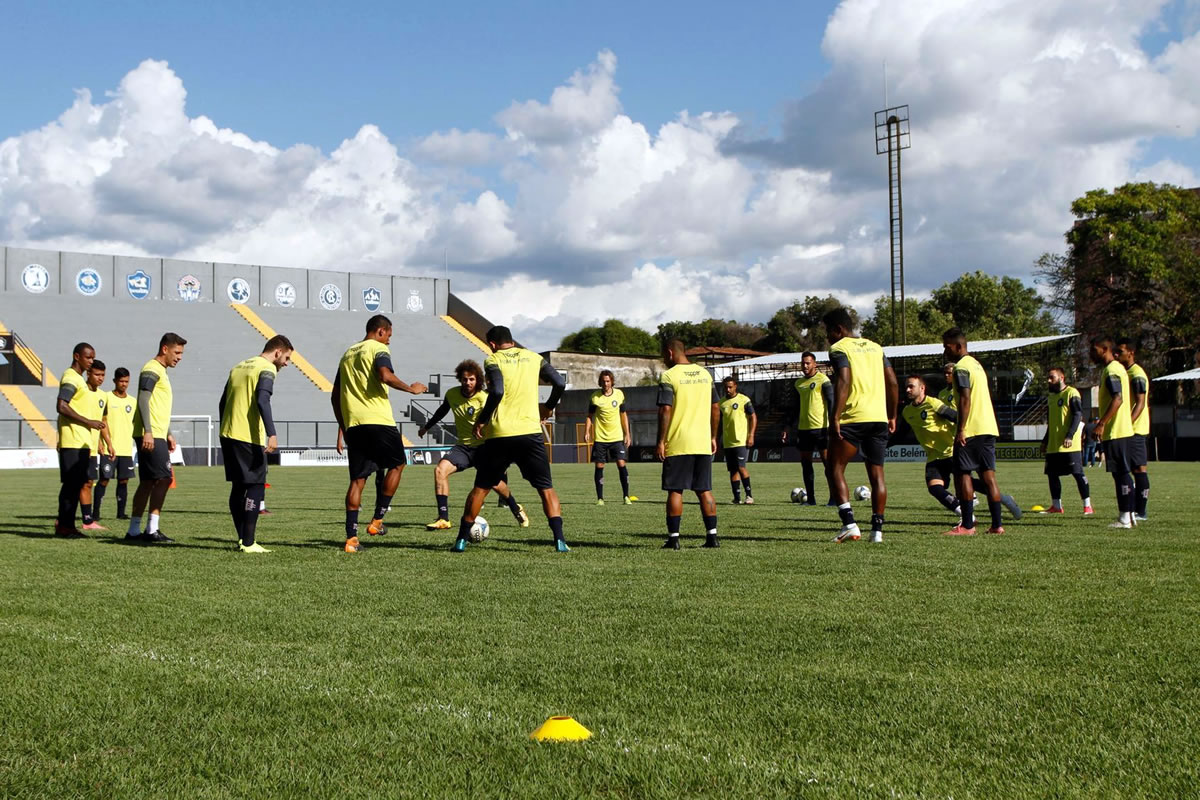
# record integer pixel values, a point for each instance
(633, 499)
(439, 525)
(254, 548)
(522, 517)
(628, 500)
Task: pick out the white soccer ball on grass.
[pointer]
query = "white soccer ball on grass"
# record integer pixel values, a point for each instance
(799, 495)
(862, 493)
(479, 530)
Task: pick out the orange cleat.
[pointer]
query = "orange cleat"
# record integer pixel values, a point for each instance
(959, 530)
(996, 530)
(377, 528)
(353, 546)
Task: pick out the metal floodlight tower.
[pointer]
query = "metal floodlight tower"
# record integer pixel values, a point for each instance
(891, 137)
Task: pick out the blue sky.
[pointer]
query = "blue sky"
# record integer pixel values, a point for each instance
(647, 161)
(304, 72)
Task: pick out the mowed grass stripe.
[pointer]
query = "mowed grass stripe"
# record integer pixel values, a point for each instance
(1058, 659)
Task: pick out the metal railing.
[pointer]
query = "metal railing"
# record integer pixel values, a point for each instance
(18, 434)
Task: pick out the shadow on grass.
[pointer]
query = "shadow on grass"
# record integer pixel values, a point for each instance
(27, 532)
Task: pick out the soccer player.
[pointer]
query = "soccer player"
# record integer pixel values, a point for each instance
(606, 407)
(511, 426)
(97, 403)
(738, 425)
(152, 434)
(1063, 442)
(688, 416)
(464, 401)
(1116, 426)
(1139, 412)
(118, 416)
(974, 438)
(75, 428)
(248, 435)
(364, 415)
(862, 417)
(814, 393)
(947, 395)
(933, 423)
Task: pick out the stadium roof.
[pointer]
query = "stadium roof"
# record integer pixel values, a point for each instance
(1186, 375)
(780, 361)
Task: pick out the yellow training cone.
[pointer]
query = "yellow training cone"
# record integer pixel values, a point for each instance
(560, 729)
(1037, 508)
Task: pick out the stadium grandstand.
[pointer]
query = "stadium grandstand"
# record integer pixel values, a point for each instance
(50, 300)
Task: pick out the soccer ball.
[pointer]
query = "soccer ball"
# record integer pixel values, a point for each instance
(799, 496)
(862, 493)
(479, 530)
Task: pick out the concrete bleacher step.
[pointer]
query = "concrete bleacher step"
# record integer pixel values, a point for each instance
(126, 334)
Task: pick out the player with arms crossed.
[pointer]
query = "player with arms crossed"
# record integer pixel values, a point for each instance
(118, 416)
(464, 401)
(975, 437)
(511, 427)
(1139, 413)
(863, 415)
(739, 422)
(248, 435)
(606, 408)
(814, 395)
(152, 434)
(102, 446)
(688, 416)
(77, 420)
(364, 416)
(1116, 426)
(1063, 443)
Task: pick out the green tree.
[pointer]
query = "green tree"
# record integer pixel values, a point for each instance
(925, 322)
(613, 336)
(1133, 267)
(988, 307)
(712, 333)
(797, 327)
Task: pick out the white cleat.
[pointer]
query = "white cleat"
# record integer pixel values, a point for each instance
(749, 501)
(849, 533)
(1121, 524)
(876, 537)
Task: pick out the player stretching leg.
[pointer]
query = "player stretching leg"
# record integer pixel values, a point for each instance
(511, 426)
(464, 401)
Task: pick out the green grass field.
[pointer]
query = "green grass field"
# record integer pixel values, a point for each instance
(1061, 659)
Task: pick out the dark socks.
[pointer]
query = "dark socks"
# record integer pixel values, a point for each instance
(710, 523)
(1055, 488)
(443, 505)
(512, 504)
(98, 497)
(352, 524)
(1125, 485)
(967, 508)
(556, 528)
(1085, 488)
(1141, 493)
(877, 522)
(68, 501)
(624, 473)
(382, 503)
(122, 497)
(944, 497)
(464, 528)
(846, 513)
(673, 525)
(746, 485)
(237, 507)
(737, 489)
(598, 479)
(809, 480)
(255, 493)
(996, 508)
(86, 510)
